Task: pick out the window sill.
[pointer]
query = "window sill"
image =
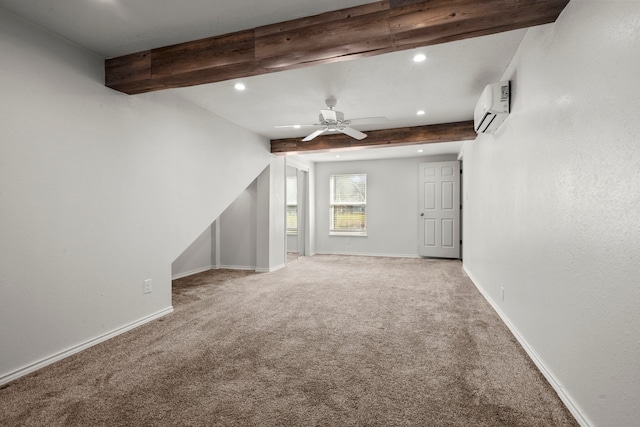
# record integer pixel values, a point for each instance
(348, 233)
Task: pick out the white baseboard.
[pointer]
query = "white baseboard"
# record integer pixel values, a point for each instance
(83, 346)
(271, 269)
(237, 267)
(580, 417)
(191, 272)
(229, 267)
(367, 254)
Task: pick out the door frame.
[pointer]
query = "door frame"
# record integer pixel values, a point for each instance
(303, 183)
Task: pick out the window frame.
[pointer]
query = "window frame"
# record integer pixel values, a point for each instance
(333, 204)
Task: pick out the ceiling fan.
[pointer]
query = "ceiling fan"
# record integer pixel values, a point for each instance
(334, 121)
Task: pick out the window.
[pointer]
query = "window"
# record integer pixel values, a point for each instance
(292, 205)
(348, 205)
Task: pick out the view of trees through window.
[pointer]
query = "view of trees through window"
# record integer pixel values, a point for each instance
(348, 204)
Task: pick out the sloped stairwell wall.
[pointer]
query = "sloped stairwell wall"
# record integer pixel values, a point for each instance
(99, 191)
(248, 235)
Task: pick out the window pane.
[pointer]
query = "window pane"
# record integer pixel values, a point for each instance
(292, 190)
(349, 188)
(347, 218)
(292, 219)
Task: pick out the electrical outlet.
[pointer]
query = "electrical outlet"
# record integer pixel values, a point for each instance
(502, 293)
(147, 286)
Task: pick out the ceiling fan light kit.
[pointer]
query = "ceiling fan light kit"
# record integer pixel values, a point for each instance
(331, 120)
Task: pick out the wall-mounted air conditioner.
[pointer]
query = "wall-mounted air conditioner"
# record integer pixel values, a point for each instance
(492, 107)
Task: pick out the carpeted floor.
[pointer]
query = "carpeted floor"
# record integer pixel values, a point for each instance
(327, 341)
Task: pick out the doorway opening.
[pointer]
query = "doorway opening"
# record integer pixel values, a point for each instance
(296, 212)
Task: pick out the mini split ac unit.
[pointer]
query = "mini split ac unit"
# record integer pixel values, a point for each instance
(492, 107)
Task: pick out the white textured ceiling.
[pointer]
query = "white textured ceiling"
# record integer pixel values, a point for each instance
(446, 85)
(118, 27)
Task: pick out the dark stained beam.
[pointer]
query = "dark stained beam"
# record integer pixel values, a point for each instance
(366, 30)
(446, 132)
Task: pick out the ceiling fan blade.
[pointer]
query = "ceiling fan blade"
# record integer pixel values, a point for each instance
(295, 126)
(366, 120)
(314, 134)
(353, 133)
(329, 115)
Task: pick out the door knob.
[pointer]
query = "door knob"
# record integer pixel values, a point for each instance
(421, 213)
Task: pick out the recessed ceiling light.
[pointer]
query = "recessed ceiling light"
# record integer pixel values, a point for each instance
(296, 126)
(420, 113)
(419, 57)
(337, 156)
(240, 86)
(421, 151)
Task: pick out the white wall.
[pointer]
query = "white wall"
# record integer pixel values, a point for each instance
(553, 209)
(98, 192)
(292, 243)
(392, 207)
(248, 235)
(196, 258)
(278, 225)
(238, 228)
(271, 239)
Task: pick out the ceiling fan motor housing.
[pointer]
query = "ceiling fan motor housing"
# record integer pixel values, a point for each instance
(331, 102)
(329, 121)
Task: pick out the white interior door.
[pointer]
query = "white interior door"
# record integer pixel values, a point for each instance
(439, 210)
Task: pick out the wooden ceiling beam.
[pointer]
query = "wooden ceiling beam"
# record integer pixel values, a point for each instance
(446, 132)
(366, 30)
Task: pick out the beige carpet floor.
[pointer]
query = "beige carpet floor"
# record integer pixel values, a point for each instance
(327, 341)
